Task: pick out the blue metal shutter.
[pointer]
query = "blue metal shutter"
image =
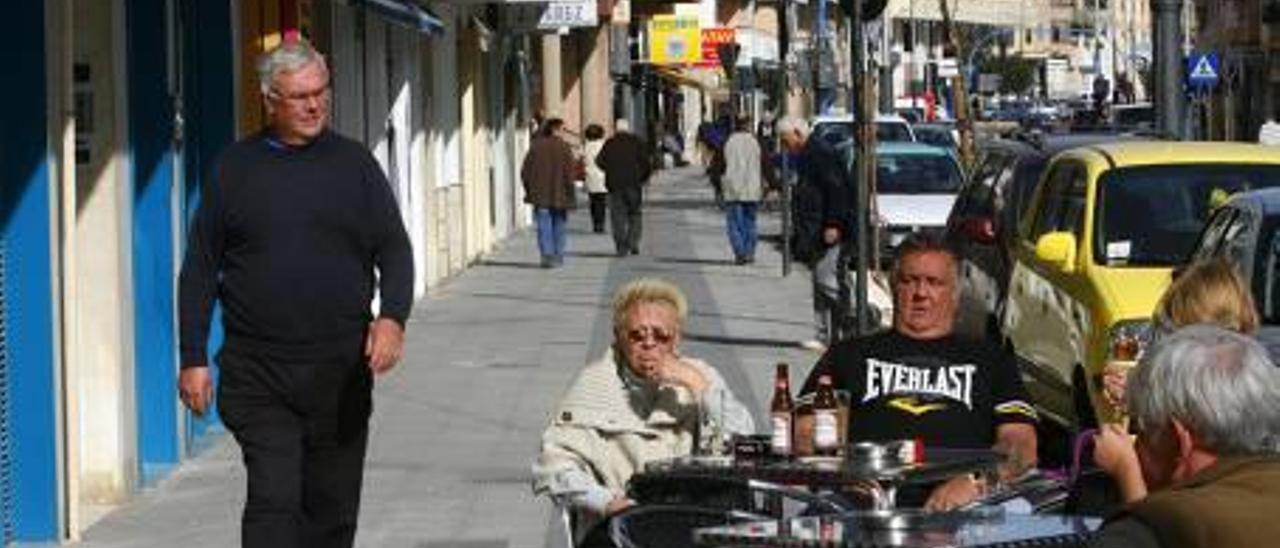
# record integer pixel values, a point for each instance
(6, 454)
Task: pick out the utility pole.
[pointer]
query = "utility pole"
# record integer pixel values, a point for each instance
(864, 162)
(1166, 23)
(780, 107)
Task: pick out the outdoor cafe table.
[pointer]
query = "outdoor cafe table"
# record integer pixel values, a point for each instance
(827, 473)
(987, 528)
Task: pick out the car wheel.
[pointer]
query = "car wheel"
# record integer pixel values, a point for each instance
(1082, 404)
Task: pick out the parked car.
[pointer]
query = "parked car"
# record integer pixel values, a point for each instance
(983, 224)
(838, 129)
(1136, 116)
(937, 134)
(1095, 251)
(1246, 233)
(916, 185)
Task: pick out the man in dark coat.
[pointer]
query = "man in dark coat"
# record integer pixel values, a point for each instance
(625, 162)
(547, 174)
(822, 209)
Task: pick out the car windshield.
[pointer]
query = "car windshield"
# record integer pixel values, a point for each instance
(839, 132)
(917, 174)
(1150, 216)
(936, 136)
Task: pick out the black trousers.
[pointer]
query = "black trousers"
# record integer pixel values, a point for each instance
(599, 205)
(302, 422)
(624, 212)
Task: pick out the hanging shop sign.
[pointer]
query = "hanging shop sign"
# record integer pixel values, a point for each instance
(711, 40)
(674, 40)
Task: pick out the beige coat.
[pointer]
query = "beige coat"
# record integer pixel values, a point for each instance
(609, 425)
(743, 180)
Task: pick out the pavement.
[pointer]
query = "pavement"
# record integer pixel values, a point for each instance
(488, 354)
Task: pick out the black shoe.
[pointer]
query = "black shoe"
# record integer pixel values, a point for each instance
(548, 261)
(635, 251)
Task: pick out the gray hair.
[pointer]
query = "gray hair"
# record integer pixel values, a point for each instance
(1219, 384)
(789, 123)
(621, 125)
(292, 54)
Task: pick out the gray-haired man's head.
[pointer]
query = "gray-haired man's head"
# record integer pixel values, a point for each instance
(1202, 393)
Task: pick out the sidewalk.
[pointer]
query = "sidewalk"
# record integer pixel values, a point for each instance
(488, 355)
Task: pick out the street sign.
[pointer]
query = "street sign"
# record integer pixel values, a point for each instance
(1203, 70)
(553, 16)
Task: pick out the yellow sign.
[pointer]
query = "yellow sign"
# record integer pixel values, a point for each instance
(674, 40)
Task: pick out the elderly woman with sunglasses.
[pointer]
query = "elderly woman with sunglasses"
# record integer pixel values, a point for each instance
(642, 401)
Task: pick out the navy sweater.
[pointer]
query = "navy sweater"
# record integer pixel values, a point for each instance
(287, 239)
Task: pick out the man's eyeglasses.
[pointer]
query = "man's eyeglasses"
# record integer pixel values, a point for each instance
(301, 97)
(640, 335)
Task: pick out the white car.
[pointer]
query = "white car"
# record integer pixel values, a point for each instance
(916, 185)
(838, 128)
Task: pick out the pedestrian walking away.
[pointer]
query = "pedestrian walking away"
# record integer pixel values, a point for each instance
(597, 192)
(625, 161)
(287, 237)
(743, 189)
(547, 174)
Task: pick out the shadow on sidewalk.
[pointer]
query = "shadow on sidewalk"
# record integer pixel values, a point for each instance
(691, 260)
(510, 264)
(740, 341)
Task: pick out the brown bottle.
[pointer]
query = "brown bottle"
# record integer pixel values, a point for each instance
(826, 438)
(782, 413)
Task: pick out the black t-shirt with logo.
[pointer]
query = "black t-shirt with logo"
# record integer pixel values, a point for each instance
(949, 391)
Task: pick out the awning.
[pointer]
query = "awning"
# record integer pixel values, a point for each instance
(406, 13)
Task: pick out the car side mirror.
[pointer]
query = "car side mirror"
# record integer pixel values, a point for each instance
(1058, 249)
(979, 229)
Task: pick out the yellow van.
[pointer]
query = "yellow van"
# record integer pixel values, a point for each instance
(1095, 250)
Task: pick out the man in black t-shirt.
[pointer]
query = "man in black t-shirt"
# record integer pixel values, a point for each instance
(922, 381)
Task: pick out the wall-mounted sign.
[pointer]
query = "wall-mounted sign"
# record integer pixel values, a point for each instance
(674, 40)
(711, 39)
(553, 15)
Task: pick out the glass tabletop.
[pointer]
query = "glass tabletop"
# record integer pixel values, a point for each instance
(906, 528)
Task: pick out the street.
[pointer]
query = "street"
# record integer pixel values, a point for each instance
(456, 425)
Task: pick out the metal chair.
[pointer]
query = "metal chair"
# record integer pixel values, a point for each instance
(665, 526)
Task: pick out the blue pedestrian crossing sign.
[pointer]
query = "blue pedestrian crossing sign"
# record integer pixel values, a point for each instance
(1203, 70)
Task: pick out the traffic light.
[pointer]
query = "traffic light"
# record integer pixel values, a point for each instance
(871, 9)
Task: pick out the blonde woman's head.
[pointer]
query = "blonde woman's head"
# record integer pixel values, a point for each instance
(648, 317)
(1208, 292)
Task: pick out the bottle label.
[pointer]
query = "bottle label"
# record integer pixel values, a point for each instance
(781, 440)
(824, 430)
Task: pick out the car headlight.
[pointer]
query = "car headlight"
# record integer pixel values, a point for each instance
(1128, 340)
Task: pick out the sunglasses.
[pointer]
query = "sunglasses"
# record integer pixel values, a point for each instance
(644, 334)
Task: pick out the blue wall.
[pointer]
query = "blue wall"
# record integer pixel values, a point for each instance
(25, 218)
(209, 97)
(204, 29)
(150, 132)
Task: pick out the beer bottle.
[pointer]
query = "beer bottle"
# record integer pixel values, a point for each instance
(826, 440)
(781, 413)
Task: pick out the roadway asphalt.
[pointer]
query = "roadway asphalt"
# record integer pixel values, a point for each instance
(488, 353)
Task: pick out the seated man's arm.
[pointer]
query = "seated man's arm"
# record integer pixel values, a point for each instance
(564, 473)
(1017, 440)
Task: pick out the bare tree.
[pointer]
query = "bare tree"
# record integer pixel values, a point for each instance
(959, 93)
